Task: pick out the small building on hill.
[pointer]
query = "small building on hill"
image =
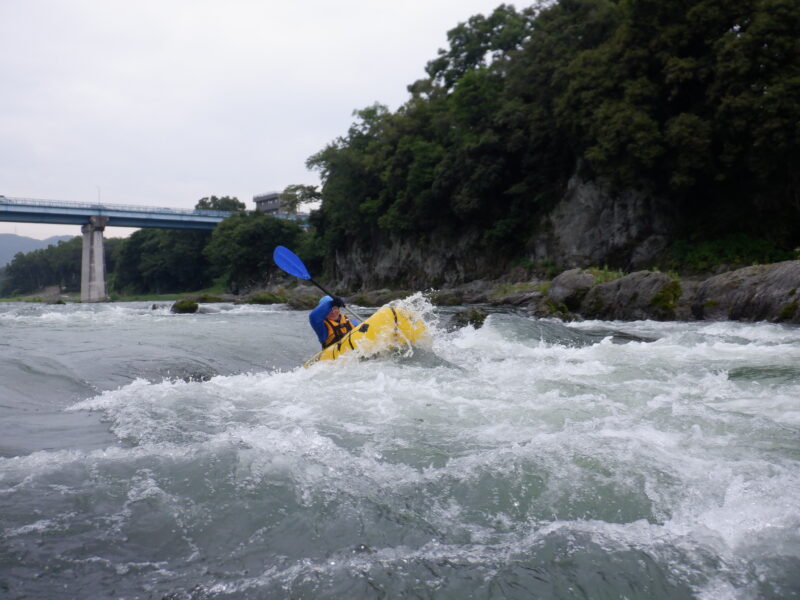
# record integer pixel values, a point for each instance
(272, 204)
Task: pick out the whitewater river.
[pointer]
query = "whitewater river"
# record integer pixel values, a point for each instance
(159, 456)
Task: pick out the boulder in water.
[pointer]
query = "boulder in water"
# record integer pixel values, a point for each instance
(469, 316)
(184, 306)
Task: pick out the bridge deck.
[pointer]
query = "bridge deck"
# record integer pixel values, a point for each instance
(27, 210)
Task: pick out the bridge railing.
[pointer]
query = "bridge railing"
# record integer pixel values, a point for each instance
(108, 207)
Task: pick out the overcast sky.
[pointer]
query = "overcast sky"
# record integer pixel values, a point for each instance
(163, 102)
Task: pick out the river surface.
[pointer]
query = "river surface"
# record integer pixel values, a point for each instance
(158, 456)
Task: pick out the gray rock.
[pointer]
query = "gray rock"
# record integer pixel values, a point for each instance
(590, 226)
(185, 306)
(377, 297)
(447, 297)
(476, 292)
(436, 261)
(569, 288)
(757, 293)
(470, 316)
(303, 297)
(639, 295)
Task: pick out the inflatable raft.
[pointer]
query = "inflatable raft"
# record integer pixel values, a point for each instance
(389, 328)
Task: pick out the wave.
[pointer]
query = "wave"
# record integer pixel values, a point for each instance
(517, 458)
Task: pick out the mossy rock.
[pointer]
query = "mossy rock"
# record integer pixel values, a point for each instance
(360, 299)
(604, 275)
(521, 292)
(470, 316)
(787, 311)
(302, 302)
(266, 298)
(184, 306)
(558, 310)
(446, 298)
(667, 298)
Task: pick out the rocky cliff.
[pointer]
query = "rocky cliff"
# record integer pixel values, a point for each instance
(587, 227)
(590, 226)
(418, 262)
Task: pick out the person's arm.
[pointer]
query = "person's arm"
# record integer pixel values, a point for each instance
(317, 316)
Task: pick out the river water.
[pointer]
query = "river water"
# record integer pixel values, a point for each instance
(151, 455)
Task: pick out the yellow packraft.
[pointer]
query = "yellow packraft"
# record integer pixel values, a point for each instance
(389, 328)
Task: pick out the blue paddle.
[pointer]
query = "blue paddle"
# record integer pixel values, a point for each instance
(291, 263)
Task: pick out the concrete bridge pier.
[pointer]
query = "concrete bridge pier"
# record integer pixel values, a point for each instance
(93, 265)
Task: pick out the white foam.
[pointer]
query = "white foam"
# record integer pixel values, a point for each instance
(508, 438)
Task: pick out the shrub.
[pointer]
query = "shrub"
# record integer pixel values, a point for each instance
(736, 250)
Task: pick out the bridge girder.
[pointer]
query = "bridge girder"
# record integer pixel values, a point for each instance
(74, 213)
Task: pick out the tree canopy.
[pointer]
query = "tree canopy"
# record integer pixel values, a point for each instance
(694, 101)
(161, 261)
(697, 101)
(225, 203)
(57, 265)
(241, 248)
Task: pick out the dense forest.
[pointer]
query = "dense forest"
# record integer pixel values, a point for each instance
(694, 101)
(697, 101)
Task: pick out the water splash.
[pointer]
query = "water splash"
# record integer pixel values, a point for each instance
(524, 458)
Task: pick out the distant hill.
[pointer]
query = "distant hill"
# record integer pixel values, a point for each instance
(11, 243)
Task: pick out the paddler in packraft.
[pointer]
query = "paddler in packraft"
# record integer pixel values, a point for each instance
(328, 322)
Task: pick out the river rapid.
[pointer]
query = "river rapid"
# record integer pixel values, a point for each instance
(145, 454)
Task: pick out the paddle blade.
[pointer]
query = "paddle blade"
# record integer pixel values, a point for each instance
(289, 262)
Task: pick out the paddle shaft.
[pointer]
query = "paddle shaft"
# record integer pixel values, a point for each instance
(289, 262)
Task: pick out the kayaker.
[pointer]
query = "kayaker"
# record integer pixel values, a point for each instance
(328, 322)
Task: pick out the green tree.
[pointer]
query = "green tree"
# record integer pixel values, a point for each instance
(161, 261)
(698, 100)
(225, 203)
(479, 41)
(695, 101)
(65, 263)
(755, 96)
(296, 195)
(58, 264)
(241, 248)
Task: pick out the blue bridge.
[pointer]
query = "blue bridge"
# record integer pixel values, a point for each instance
(116, 215)
(93, 219)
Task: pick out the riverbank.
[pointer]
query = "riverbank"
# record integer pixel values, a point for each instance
(757, 293)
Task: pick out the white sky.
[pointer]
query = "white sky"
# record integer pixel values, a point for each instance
(163, 102)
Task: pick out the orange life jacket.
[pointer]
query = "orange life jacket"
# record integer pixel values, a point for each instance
(336, 330)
